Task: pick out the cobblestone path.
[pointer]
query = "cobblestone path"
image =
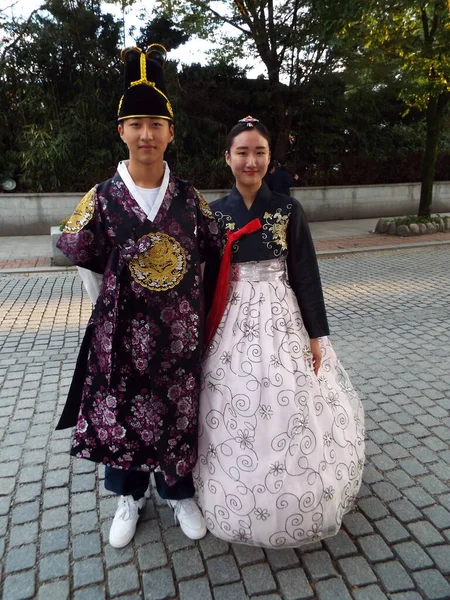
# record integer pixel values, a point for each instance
(390, 318)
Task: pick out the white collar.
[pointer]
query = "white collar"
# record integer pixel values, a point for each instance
(126, 178)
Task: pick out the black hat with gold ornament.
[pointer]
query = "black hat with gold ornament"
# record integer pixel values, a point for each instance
(145, 90)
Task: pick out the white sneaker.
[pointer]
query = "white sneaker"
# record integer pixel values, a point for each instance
(125, 520)
(188, 515)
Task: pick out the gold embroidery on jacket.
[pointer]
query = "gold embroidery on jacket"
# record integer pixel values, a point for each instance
(276, 224)
(204, 206)
(82, 214)
(161, 267)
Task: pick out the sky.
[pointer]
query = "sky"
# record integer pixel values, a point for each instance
(194, 51)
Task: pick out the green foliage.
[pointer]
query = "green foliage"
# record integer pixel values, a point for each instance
(59, 76)
(47, 151)
(413, 37)
(60, 82)
(63, 223)
(164, 31)
(415, 219)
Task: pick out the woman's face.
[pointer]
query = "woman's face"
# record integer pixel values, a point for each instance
(249, 158)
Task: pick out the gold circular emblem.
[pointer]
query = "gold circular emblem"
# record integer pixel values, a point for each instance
(82, 214)
(162, 267)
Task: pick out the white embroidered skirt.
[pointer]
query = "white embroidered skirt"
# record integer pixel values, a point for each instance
(281, 451)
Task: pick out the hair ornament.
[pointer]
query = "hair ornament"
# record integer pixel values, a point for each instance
(249, 120)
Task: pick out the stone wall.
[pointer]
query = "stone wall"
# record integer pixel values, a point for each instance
(34, 214)
(369, 201)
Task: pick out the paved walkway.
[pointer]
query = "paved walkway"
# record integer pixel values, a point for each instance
(29, 251)
(390, 319)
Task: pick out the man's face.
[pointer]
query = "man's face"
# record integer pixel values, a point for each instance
(147, 138)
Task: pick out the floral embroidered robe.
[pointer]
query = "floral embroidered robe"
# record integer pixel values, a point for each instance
(135, 391)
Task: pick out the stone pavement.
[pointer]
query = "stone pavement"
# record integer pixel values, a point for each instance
(390, 319)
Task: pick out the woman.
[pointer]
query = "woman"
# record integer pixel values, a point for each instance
(139, 239)
(281, 440)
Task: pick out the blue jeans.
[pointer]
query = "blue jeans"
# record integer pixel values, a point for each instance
(135, 483)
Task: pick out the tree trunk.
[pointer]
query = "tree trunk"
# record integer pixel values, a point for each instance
(436, 108)
(281, 144)
(282, 122)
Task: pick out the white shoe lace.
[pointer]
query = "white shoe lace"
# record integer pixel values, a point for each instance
(127, 509)
(187, 507)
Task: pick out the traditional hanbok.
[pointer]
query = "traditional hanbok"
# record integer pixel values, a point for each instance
(281, 450)
(134, 396)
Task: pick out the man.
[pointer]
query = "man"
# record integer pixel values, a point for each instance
(139, 239)
(282, 179)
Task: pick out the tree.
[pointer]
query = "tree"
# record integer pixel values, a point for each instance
(59, 86)
(59, 90)
(288, 37)
(412, 37)
(164, 32)
(208, 100)
(342, 98)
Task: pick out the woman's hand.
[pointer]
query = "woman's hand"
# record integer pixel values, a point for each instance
(316, 355)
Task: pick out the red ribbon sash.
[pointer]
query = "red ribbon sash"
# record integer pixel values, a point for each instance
(220, 293)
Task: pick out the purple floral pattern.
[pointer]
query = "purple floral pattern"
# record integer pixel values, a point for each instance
(134, 399)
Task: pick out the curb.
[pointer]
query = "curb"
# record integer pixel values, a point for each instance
(330, 253)
(19, 270)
